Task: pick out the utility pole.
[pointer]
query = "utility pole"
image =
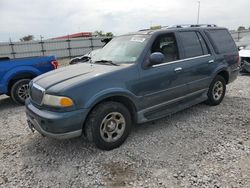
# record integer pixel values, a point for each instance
(42, 45)
(198, 15)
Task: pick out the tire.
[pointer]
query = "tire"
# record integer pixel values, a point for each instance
(216, 92)
(20, 91)
(108, 125)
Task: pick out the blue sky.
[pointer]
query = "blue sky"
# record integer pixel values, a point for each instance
(52, 18)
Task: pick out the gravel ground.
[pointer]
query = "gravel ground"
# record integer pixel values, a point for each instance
(199, 147)
(63, 62)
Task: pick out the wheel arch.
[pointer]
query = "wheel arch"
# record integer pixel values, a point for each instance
(19, 76)
(125, 100)
(224, 74)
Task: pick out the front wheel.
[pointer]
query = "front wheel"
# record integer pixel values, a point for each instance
(216, 92)
(20, 91)
(108, 125)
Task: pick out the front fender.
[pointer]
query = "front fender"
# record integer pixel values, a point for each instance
(112, 92)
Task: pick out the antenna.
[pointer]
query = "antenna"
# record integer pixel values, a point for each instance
(198, 14)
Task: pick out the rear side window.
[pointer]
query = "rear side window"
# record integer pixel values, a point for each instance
(203, 44)
(193, 44)
(221, 41)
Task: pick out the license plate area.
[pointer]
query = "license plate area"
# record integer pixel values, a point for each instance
(30, 123)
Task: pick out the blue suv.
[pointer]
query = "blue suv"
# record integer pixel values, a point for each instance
(135, 78)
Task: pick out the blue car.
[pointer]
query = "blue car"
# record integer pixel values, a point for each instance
(135, 78)
(15, 74)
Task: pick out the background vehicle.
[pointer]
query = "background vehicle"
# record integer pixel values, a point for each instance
(135, 78)
(245, 59)
(84, 58)
(87, 57)
(15, 74)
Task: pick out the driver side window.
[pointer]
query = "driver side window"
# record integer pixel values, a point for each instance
(166, 44)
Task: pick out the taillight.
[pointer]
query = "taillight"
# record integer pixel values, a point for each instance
(55, 64)
(239, 61)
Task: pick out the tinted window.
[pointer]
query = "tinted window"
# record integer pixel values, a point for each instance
(203, 44)
(167, 45)
(191, 44)
(221, 41)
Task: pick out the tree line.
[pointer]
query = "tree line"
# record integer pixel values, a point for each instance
(242, 28)
(96, 33)
(109, 34)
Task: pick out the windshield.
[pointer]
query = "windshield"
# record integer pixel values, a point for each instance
(123, 49)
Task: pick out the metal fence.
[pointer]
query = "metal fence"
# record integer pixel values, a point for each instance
(60, 48)
(237, 35)
(69, 47)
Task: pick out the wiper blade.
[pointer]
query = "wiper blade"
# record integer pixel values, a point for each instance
(106, 62)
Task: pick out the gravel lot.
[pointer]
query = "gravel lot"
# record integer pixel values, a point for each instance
(199, 147)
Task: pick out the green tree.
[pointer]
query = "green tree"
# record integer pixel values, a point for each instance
(99, 33)
(27, 38)
(102, 34)
(109, 34)
(241, 28)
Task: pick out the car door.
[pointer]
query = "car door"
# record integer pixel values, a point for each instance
(198, 61)
(161, 83)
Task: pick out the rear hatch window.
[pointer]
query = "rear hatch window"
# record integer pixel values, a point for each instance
(221, 40)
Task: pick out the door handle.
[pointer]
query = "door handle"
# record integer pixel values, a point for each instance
(211, 61)
(178, 69)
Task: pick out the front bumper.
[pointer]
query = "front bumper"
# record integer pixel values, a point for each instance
(60, 125)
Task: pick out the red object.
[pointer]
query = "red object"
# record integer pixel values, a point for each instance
(76, 35)
(239, 61)
(55, 64)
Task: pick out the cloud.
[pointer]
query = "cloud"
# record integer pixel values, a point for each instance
(51, 18)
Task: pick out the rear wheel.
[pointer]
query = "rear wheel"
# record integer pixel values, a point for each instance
(20, 91)
(216, 91)
(108, 125)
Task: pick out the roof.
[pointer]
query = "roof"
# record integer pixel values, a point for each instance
(75, 35)
(176, 27)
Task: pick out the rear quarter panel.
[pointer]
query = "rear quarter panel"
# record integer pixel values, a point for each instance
(227, 60)
(13, 67)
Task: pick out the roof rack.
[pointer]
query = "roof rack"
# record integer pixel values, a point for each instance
(190, 25)
(181, 26)
(145, 29)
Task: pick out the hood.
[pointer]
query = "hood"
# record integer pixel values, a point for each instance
(73, 73)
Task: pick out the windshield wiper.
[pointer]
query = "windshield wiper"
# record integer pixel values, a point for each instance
(106, 62)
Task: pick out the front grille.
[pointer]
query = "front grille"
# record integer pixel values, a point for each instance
(36, 93)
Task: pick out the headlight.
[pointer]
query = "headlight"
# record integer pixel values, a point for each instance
(57, 101)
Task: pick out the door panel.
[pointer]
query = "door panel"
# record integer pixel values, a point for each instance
(197, 72)
(161, 83)
(199, 62)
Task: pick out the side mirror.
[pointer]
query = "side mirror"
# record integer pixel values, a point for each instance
(156, 58)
